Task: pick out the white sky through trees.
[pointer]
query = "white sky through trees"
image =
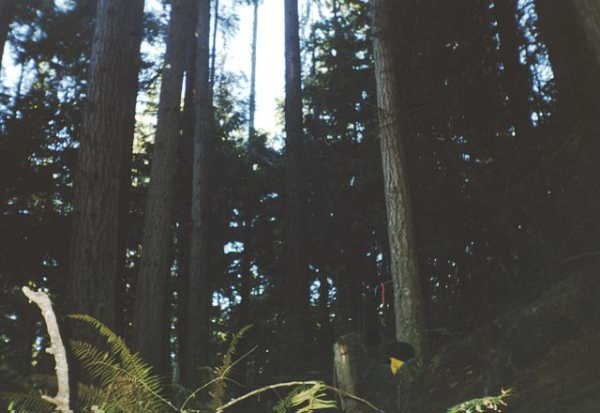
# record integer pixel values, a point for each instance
(235, 52)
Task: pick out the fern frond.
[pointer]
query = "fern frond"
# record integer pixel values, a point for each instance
(127, 382)
(116, 343)
(221, 372)
(27, 403)
(306, 400)
(486, 404)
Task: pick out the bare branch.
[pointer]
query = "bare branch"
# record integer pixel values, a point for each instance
(57, 349)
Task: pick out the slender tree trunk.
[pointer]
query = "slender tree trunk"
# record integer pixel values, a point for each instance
(105, 148)
(213, 52)
(7, 11)
(296, 274)
(248, 204)
(252, 106)
(516, 75)
(151, 324)
(197, 304)
(408, 300)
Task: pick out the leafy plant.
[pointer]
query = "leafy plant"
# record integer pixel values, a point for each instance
(127, 383)
(221, 372)
(483, 405)
(306, 400)
(123, 383)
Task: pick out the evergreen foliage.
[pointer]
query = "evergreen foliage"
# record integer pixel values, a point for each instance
(502, 166)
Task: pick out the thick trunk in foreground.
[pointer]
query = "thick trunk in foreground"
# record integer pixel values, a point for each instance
(570, 31)
(568, 35)
(408, 301)
(296, 271)
(195, 340)
(107, 135)
(184, 192)
(151, 324)
(7, 10)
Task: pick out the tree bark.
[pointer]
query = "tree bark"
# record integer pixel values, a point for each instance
(347, 354)
(588, 13)
(184, 190)
(197, 301)
(568, 36)
(105, 147)
(408, 300)
(409, 309)
(7, 11)
(151, 324)
(296, 274)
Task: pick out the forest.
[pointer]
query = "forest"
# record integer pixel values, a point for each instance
(417, 231)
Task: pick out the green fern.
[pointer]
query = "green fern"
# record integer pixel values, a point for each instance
(124, 382)
(306, 400)
(27, 403)
(221, 373)
(483, 405)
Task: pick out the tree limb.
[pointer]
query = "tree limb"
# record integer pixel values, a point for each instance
(57, 349)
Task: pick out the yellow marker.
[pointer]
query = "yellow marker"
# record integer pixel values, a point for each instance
(395, 365)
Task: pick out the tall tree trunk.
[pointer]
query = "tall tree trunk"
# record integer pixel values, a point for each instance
(252, 106)
(296, 271)
(571, 55)
(184, 189)
(408, 300)
(213, 51)
(516, 75)
(107, 137)
(409, 309)
(7, 11)
(151, 324)
(197, 304)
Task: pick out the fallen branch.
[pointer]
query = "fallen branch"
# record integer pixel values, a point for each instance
(580, 256)
(293, 384)
(57, 349)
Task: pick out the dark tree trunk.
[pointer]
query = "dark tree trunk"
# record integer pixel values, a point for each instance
(105, 148)
(196, 338)
(151, 323)
(184, 189)
(408, 300)
(569, 30)
(213, 51)
(7, 11)
(572, 58)
(588, 13)
(296, 271)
